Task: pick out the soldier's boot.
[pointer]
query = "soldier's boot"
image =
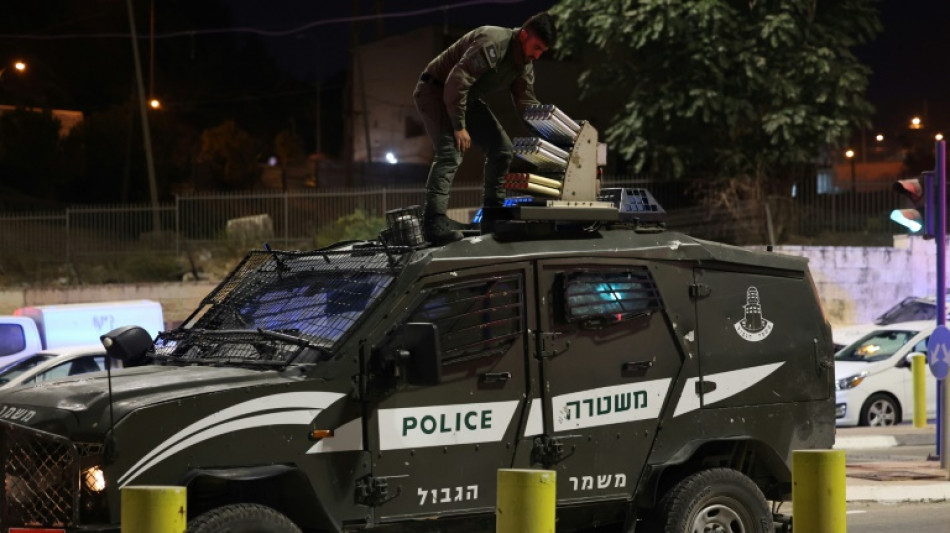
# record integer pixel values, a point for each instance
(438, 230)
(458, 226)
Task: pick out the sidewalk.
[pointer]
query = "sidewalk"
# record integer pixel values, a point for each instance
(895, 479)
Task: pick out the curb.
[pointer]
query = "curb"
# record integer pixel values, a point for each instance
(899, 493)
(864, 442)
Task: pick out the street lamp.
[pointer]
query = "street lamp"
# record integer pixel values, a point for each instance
(19, 66)
(938, 137)
(879, 137)
(154, 103)
(850, 155)
(915, 123)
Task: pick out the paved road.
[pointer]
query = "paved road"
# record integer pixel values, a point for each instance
(884, 518)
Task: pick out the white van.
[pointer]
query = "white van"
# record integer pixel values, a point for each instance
(42, 327)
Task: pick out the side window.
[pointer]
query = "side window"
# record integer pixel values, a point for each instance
(603, 297)
(57, 372)
(12, 339)
(84, 365)
(921, 346)
(475, 319)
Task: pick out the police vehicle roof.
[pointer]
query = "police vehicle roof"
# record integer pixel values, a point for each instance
(615, 242)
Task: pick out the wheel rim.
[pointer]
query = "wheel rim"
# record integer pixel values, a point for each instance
(882, 413)
(719, 518)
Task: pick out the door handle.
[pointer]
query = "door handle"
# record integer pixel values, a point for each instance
(495, 377)
(636, 368)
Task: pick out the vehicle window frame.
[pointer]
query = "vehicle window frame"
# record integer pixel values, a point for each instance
(460, 345)
(12, 348)
(570, 304)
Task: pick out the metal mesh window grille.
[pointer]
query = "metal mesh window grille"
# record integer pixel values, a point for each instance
(318, 296)
(616, 295)
(475, 319)
(40, 478)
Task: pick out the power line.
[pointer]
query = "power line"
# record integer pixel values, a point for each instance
(259, 31)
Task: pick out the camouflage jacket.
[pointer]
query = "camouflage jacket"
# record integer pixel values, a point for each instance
(484, 60)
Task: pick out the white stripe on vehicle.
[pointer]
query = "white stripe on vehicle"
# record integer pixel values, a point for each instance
(299, 404)
(728, 384)
(346, 438)
(535, 425)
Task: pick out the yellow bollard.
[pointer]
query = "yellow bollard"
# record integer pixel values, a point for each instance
(918, 367)
(526, 501)
(154, 509)
(818, 491)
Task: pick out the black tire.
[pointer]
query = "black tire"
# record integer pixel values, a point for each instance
(242, 518)
(718, 500)
(880, 410)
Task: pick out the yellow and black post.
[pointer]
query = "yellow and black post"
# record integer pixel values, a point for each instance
(154, 509)
(818, 491)
(526, 501)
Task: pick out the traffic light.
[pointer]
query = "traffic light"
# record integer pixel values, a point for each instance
(920, 191)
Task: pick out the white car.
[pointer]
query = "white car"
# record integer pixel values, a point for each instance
(55, 364)
(909, 309)
(873, 381)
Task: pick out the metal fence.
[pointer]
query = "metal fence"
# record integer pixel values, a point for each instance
(296, 216)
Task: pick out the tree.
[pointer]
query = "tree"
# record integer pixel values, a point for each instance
(31, 154)
(229, 157)
(724, 88)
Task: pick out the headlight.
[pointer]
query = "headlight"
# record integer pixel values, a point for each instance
(850, 382)
(94, 478)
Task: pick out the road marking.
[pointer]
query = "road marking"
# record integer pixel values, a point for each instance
(855, 512)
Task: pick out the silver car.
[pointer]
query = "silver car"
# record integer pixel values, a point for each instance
(55, 364)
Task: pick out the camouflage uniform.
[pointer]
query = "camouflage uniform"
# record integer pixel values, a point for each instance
(448, 96)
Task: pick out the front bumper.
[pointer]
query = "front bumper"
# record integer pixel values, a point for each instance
(846, 412)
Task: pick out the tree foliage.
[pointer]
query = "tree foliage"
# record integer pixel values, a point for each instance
(724, 88)
(228, 156)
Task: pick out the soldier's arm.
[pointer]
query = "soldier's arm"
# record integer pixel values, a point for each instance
(522, 90)
(474, 63)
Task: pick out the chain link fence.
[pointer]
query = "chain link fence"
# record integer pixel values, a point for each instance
(90, 234)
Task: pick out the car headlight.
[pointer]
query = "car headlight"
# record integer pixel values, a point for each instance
(94, 478)
(850, 382)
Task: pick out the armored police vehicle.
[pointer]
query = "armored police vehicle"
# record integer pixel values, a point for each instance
(380, 385)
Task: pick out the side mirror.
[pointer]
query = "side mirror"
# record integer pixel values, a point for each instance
(416, 349)
(127, 344)
(905, 362)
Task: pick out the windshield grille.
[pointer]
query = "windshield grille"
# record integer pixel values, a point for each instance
(40, 478)
(310, 297)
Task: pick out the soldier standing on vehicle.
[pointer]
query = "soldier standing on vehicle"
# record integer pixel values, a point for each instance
(448, 96)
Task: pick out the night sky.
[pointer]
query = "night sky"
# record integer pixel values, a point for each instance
(911, 75)
(309, 41)
(321, 50)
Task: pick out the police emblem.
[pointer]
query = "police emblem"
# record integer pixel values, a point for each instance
(753, 327)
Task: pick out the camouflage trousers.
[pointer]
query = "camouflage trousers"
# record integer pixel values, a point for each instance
(486, 133)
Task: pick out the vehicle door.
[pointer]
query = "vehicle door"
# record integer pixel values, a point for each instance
(438, 447)
(757, 339)
(607, 359)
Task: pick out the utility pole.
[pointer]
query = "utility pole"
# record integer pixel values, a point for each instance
(319, 139)
(146, 134)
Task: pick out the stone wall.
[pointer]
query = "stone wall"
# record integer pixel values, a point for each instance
(855, 284)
